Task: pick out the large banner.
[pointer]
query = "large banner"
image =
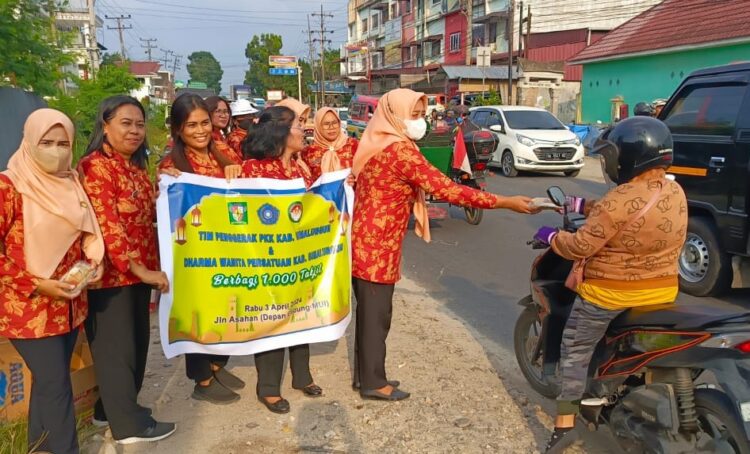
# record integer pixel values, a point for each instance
(253, 264)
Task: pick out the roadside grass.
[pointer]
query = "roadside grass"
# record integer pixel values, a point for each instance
(13, 436)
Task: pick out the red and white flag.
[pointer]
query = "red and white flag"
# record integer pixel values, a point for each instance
(460, 156)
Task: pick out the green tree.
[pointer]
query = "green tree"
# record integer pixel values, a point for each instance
(111, 58)
(203, 67)
(31, 53)
(257, 52)
(82, 108)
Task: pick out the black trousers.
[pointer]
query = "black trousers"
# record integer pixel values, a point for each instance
(270, 367)
(374, 312)
(198, 365)
(118, 330)
(51, 415)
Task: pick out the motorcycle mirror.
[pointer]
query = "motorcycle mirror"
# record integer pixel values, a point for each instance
(556, 195)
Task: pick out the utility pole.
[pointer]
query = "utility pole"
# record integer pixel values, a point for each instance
(120, 28)
(528, 31)
(311, 55)
(92, 44)
(176, 64)
(520, 29)
(469, 30)
(509, 34)
(165, 59)
(323, 40)
(148, 46)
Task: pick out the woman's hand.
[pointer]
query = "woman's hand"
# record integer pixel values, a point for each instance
(98, 274)
(157, 279)
(56, 289)
(171, 171)
(232, 171)
(351, 180)
(517, 203)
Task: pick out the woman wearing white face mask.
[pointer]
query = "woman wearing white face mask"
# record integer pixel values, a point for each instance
(392, 179)
(46, 227)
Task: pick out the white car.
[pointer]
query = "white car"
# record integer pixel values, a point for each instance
(530, 138)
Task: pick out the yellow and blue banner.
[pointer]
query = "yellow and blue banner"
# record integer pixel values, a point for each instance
(253, 264)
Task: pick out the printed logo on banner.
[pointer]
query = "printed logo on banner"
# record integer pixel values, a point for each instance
(237, 213)
(295, 211)
(268, 214)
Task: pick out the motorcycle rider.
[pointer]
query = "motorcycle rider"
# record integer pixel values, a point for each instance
(644, 109)
(631, 243)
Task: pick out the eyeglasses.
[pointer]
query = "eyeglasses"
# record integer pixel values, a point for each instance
(221, 112)
(331, 125)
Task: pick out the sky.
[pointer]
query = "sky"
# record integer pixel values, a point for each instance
(222, 27)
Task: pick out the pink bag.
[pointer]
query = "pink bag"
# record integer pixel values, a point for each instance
(575, 277)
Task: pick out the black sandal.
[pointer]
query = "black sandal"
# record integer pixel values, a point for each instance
(562, 438)
(312, 390)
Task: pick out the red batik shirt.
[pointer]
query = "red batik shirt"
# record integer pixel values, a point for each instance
(384, 195)
(313, 154)
(24, 315)
(234, 140)
(272, 168)
(202, 163)
(122, 196)
(217, 135)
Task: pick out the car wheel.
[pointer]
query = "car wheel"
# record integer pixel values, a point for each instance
(572, 173)
(705, 269)
(508, 164)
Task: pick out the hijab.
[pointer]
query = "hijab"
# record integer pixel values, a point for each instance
(56, 209)
(387, 127)
(329, 162)
(298, 108)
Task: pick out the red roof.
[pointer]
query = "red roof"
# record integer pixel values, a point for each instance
(144, 68)
(674, 23)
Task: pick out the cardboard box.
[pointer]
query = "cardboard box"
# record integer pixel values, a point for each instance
(15, 382)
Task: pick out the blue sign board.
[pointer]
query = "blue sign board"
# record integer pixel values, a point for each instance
(282, 71)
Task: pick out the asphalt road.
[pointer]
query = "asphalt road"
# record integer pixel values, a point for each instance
(480, 272)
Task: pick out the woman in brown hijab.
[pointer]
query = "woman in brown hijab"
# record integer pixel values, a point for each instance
(392, 180)
(46, 227)
(331, 150)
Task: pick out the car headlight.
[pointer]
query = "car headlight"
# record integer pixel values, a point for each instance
(528, 141)
(577, 141)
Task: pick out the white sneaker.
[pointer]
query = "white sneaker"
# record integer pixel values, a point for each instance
(158, 431)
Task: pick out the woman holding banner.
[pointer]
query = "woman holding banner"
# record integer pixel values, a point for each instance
(273, 144)
(113, 173)
(331, 150)
(46, 227)
(194, 151)
(392, 180)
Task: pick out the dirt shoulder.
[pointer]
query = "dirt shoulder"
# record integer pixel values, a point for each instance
(458, 403)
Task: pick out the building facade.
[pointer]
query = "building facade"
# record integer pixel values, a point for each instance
(648, 57)
(77, 18)
(404, 42)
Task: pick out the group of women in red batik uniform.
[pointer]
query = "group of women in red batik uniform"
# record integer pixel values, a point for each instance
(103, 213)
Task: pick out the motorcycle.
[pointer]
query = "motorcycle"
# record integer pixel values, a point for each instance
(664, 379)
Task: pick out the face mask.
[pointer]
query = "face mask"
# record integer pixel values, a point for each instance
(415, 129)
(52, 159)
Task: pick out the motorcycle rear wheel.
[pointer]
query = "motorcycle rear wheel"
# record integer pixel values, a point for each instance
(525, 338)
(719, 426)
(473, 215)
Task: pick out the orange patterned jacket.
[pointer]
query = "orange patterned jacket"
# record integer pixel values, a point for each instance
(384, 195)
(205, 165)
(313, 154)
(272, 168)
(234, 140)
(122, 196)
(23, 314)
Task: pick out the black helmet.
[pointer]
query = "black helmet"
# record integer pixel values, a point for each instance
(643, 109)
(633, 146)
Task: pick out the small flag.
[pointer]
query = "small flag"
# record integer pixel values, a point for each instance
(460, 156)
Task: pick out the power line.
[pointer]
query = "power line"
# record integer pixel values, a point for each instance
(119, 29)
(323, 40)
(149, 46)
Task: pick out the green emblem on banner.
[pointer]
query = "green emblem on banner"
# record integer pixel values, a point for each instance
(237, 213)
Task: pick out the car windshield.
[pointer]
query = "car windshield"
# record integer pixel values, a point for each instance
(532, 119)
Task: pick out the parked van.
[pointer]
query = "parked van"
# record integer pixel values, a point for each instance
(361, 109)
(709, 116)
